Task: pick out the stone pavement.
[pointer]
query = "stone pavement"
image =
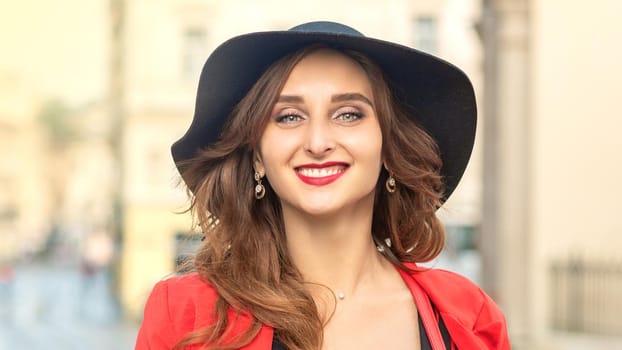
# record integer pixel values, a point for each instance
(578, 341)
(54, 307)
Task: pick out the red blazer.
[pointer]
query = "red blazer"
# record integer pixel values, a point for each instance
(182, 304)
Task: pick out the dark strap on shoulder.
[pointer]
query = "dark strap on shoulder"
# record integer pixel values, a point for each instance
(425, 342)
(423, 337)
(444, 333)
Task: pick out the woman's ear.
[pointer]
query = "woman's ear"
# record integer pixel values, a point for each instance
(258, 164)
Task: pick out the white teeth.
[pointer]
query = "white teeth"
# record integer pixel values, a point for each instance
(323, 172)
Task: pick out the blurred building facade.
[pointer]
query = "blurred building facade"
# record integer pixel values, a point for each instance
(550, 236)
(55, 171)
(19, 166)
(541, 187)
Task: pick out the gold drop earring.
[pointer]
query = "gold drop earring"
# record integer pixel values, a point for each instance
(390, 184)
(260, 189)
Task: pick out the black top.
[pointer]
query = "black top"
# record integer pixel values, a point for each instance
(423, 336)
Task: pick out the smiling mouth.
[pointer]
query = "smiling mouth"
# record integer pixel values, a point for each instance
(321, 172)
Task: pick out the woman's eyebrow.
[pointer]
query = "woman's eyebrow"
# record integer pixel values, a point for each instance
(290, 99)
(350, 96)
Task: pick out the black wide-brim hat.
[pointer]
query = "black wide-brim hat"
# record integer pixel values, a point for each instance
(439, 92)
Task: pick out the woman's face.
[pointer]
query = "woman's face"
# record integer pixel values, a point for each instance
(322, 147)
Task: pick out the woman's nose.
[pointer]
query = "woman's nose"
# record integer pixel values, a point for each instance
(320, 140)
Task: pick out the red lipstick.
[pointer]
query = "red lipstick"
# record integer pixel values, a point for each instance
(321, 174)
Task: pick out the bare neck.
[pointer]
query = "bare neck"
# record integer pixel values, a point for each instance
(336, 251)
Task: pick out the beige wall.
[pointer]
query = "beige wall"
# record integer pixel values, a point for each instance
(152, 202)
(58, 48)
(577, 119)
(556, 165)
(52, 50)
(575, 148)
(20, 167)
(148, 252)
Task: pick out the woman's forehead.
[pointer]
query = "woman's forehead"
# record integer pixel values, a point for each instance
(327, 69)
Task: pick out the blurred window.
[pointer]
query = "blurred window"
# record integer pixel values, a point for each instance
(426, 34)
(186, 245)
(461, 237)
(460, 254)
(194, 52)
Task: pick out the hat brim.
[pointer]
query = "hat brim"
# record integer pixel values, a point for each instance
(439, 92)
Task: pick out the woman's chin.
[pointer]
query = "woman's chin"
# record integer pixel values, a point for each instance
(329, 208)
(320, 210)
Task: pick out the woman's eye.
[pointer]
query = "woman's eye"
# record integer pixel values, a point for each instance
(349, 116)
(288, 118)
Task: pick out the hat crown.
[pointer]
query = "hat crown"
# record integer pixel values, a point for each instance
(326, 27)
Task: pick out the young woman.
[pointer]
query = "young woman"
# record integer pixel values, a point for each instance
(316, 161)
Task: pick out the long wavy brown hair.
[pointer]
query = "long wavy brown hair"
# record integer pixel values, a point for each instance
(245, 256)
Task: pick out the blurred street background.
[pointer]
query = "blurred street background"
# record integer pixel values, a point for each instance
(52, 306)
(94, 92)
